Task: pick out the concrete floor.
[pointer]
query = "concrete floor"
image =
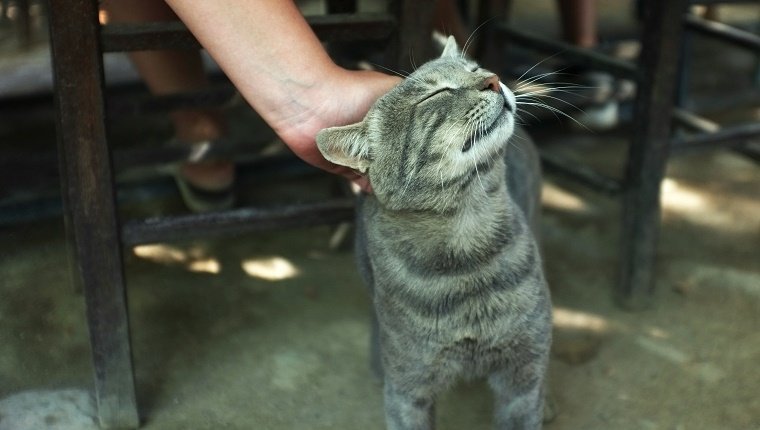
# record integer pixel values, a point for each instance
(270, 331)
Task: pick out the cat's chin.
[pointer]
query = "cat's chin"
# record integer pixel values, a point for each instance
(496, 134)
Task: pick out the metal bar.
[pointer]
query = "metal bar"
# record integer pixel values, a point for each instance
(89, 200)
(648, 152)
(174, 35)
(579, 173)
(729, 136)
(723, 32)
(165, 229)
(580, 56)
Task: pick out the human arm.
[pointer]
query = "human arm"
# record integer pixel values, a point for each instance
(270, 53)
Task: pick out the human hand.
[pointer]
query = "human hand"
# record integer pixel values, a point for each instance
(341, 101)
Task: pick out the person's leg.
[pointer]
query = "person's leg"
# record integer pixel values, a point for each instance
(578, 22)
(579, 28)
(167, 72)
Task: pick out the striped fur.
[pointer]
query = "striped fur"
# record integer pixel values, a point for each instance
(445, 246)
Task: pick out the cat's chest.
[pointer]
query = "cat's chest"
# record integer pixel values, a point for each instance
(461, 289)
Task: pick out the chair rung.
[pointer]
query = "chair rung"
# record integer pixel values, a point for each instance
(577, 55)
(580, 173)
(723, 32)
(142, 104)
(694, 122)
(162, 229)
(728, 136)
(174, 34)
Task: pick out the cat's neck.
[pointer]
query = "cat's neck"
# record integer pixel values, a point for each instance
(468, 216)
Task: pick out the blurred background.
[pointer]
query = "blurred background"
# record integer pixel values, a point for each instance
(270, 329)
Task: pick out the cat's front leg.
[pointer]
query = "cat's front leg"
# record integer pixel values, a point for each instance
(519, 397)
(408, 411)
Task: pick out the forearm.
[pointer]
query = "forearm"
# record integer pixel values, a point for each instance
(265, 47)
(270, 53)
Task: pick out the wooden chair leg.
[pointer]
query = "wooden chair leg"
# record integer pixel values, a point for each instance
(341, 6)
(648, 152)
(413, 39)
(89, 200)
(488, 49)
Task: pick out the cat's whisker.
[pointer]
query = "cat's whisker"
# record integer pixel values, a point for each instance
(450, 137)
(451, 126)
(539, 92)
(557, 111)
(471, 38)
(532, 79)
(388, 69)
(483, 129)
(524, 111)
(535, 96)
(553, 98)
(405, 74)
(482, 187)
(555, 84)
(537, 87)
(537, 64)
(408, 181)
(565, 102)
(562, 89)
(528, 100)
(514, 145)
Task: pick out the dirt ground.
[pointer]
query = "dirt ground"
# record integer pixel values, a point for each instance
(270, 331)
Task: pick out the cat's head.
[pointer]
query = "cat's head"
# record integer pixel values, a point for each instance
(423, 142)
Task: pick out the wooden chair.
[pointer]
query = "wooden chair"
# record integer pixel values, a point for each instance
(656, 76)
(95, 234)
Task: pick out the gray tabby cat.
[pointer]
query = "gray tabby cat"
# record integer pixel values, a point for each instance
(455, 272)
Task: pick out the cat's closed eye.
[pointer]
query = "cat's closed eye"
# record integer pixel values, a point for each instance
(435, 93)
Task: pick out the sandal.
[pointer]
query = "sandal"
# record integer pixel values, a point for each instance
(201, 199)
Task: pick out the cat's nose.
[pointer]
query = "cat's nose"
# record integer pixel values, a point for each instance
(491, 83)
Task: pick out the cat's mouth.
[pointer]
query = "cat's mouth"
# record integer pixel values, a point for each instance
(480, 134)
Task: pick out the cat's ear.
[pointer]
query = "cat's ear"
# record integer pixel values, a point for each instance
(346, 146)
(451, 49)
